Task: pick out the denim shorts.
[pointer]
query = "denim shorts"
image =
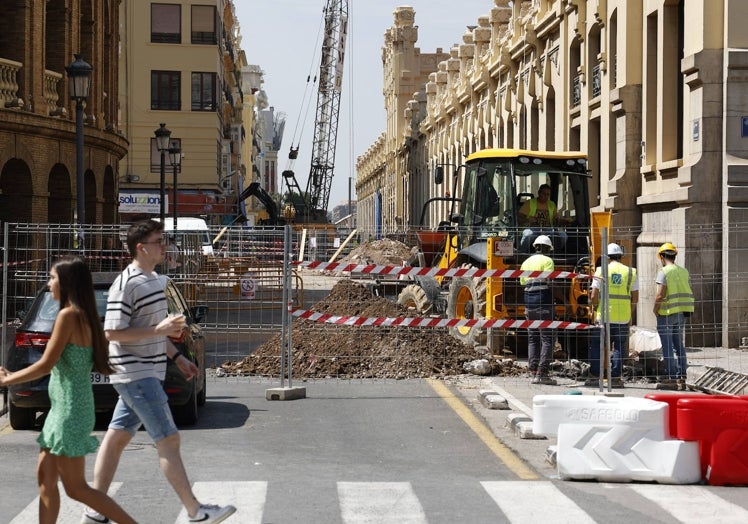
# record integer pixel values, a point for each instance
(143, 402)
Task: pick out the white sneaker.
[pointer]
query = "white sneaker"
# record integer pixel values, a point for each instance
(92, 517)
(210, 514)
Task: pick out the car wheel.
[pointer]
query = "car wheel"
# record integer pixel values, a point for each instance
(202, 396)
(21, 418)
(186, 414)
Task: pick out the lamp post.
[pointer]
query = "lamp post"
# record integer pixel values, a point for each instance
(162, 142)
(79, 74)
(175, 156)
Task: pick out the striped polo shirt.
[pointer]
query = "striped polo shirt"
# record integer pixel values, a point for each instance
(136, 299)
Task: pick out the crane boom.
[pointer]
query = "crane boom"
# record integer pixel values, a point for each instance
(328, 108)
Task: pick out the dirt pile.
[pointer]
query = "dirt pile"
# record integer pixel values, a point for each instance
(326, 350)
(383, 252)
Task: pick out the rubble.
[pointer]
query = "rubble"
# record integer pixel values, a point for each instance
(335, 351)
(381, 252)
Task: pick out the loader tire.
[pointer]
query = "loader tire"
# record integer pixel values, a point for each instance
(413, 297)
(467, 299)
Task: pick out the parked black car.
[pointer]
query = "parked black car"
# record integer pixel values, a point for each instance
(36, 327)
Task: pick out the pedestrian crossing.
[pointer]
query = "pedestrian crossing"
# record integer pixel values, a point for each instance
(517, 502)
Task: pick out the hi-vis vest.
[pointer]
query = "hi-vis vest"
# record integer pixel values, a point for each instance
(551, 209)
(537, 262)
(679, 297)
(620, 279)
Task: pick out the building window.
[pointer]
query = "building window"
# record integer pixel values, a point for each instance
(165, 90)
(156, 156)
(204, 24)
(166, 27)
(203, 91)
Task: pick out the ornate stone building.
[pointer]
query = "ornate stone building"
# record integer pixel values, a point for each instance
(38, 39)
(653, 91)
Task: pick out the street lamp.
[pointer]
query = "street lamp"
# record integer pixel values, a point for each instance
(79, 74)
(175, 156)
(162, 142)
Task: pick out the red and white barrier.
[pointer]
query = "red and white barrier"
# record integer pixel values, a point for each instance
(23, 262)
(411, 271)
(344, 320)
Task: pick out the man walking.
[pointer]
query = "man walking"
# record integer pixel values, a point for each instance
(539, 306)
(672, 304)
(623, 294)
(137, 327)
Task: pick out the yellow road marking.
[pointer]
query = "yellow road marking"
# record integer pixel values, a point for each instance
(504, 454)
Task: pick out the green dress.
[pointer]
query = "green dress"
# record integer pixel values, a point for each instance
(67, 429)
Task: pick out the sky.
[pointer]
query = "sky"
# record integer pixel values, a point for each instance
(281, 36)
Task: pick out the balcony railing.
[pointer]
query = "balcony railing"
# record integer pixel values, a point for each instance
(51, 96)
(9, 83)
(576, 91)
(597, 85)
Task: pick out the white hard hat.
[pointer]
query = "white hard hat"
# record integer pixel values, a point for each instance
(614, 249)
(543, 240)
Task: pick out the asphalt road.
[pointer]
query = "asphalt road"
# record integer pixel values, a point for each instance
(410, 451)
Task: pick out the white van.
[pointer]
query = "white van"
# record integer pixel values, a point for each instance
(189, 228)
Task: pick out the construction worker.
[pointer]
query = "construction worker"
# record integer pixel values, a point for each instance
(672, 304)
(540, 216)
(623, 294)
(539, 306)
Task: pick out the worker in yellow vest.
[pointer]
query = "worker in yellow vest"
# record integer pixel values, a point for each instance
(673, 303)
(539, 306)
(540, 217)
(623, 294)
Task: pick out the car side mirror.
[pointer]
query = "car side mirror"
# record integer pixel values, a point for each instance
(199, 313)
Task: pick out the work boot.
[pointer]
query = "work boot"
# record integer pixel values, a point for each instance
(616, 382)
(682, 384)
(669, 384)
(545, 379)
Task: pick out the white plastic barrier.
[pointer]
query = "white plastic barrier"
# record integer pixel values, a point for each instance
(615, 439)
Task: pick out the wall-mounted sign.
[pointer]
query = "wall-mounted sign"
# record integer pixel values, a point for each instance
(744, 131)
(696, 130)
(131, 202)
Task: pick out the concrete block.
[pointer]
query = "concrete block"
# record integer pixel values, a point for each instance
(293, 393)
(512, 419)
(550, 455)
(524, 431)
(492, 400)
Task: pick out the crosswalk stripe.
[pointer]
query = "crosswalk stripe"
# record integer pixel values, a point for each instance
(70, 510)
(380, 503)
(397, 502)
(248, 498)
(513, 497)
(692, 503)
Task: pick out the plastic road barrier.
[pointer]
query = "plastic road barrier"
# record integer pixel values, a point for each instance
(615, 439)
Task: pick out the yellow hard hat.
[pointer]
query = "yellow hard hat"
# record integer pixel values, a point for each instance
(668, 249)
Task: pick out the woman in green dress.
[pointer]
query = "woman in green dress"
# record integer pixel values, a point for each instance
(77, 345)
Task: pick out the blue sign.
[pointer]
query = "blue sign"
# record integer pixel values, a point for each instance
(744, 131)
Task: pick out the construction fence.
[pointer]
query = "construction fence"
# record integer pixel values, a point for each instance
(337, 295)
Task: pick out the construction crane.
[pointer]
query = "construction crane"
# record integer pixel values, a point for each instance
(311, 207)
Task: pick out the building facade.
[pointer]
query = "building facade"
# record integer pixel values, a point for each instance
(653, 91)
(181, 65)
(38, 40)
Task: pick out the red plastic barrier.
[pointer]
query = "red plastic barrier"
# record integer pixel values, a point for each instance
(720, 424)
(671, 399)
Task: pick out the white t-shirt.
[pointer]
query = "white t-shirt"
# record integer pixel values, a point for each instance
(136, 299)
